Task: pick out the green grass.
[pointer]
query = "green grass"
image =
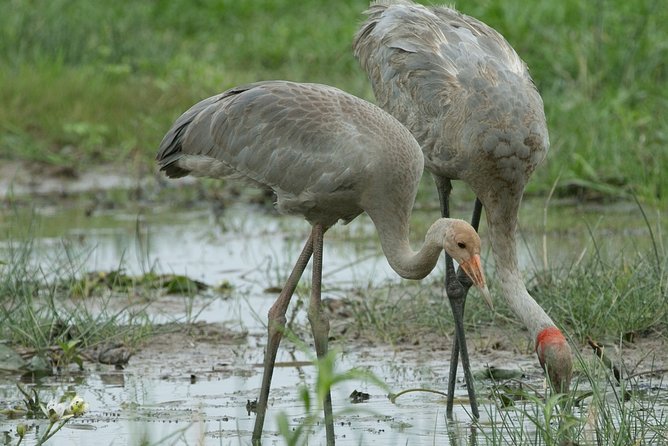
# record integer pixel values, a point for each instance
(43, 312)
(606, 413)
(620, 296)
(619, 299)
(55, 306)
(89, 82)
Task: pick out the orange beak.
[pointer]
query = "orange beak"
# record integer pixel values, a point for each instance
(473, 269)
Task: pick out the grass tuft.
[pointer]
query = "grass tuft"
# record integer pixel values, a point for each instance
(43, 318)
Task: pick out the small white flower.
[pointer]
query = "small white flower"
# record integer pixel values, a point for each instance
(54, 410)
(77, 406)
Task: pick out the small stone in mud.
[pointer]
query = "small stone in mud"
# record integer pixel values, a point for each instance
(116, 354)
(358, 397)
(498, 374)
(251, 406)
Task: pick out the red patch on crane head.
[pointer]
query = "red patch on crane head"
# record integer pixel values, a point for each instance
(550, 336)
(554, 355)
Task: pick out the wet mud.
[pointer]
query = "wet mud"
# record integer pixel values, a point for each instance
(195, 380)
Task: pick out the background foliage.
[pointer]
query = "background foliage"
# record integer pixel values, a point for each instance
(86, 81)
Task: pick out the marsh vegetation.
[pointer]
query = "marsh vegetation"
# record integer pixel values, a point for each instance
(149, 299)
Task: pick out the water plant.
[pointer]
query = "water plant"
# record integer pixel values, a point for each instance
(45, 315)
(327, 377)
(57, 412)
(600, 410)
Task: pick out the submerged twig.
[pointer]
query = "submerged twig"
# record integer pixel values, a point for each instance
(393, 396)
(598, 349)
(537, 392)
(648, 372)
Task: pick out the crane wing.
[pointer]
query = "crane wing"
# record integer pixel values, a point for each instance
(428, 53)
(453, 81)
(301, 140)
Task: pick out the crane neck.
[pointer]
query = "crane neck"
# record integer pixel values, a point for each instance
(502, 223)
(393, 232)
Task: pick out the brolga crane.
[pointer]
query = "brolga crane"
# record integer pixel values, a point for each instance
(328, 156)
(467, 97)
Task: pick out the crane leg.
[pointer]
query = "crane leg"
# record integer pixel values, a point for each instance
(461, 285)
(456, 287)
(275, 328)
(320, 323)
(457, 292)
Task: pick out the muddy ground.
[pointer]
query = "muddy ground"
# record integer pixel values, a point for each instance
(210, 347)
(197, 378)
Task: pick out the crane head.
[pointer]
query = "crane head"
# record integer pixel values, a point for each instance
(555, 357)
(462, 243)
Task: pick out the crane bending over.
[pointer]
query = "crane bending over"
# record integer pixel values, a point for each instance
(467, 97)
(328, 156)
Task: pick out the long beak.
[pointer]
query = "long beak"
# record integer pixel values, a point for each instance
(473, 269)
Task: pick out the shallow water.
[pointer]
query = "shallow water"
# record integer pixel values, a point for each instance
(155, 401)
(127, 406)
(250, 246)
(166, 405)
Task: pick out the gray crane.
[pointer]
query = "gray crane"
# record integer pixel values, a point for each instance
(328, 156)
(468, 99)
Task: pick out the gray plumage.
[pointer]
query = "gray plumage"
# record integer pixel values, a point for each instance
(460, 88)
(467, 97)
(328, 156)
(317, 147)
